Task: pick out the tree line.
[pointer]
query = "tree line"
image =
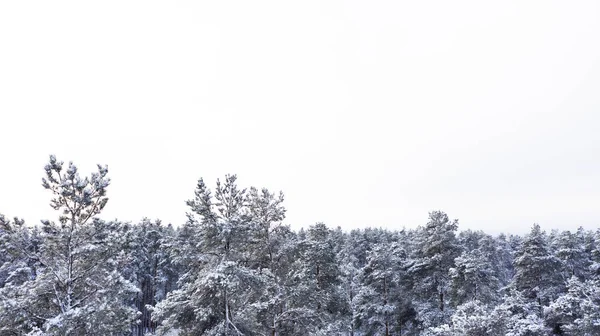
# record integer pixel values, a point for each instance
(235, 268)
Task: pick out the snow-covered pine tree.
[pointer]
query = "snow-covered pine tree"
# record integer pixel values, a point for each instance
(517, 315)
(272, 253)
(429, 270)
(505, 269)
(351, 284)
(537, 271)
(149, 268)
(469, 319)
(379, 296)
(223, 295)
(577, 312)
(315, 290)
(569, 248)
(19, 247)
(473, 278)
(77, 289)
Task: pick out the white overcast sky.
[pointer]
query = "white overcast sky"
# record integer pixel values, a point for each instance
(365, 113)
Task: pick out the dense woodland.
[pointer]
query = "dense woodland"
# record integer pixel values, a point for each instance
(235, 268)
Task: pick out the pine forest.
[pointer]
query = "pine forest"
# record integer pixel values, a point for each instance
(236, 268)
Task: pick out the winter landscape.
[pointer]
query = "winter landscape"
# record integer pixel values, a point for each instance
(300, 168)
(234, 268)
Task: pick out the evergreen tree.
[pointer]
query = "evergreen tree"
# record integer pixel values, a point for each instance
(537, 270)
(270, 255)
(77, 289)
(377, 299)
(429, 271)
(316, 285)
(19, 246)
(570, 250)
(517, 315)
(470, 319)
(221, 298)
(149, 269)
(351, 281)
(577, 312)
(472, 278)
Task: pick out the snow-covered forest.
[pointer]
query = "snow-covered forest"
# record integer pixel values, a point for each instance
(236, 268)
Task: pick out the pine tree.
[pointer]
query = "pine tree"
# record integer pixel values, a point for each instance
(351, 284)
(470, 319)
(77, 289)
(315, 279)
(19, 247)
(577, 312)
(517, 315)
(377, 300)
(270, 254)
(149, 269)
(505, 255)
(537, 270)
(222, 297)
(569, 248)
(429, 270)
(473, 278)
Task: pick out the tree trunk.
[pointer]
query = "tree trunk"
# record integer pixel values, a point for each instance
(387, 327)
(226, 315)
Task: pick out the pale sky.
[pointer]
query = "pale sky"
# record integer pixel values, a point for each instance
(365, 113)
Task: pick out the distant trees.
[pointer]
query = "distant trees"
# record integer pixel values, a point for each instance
(235, 268)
